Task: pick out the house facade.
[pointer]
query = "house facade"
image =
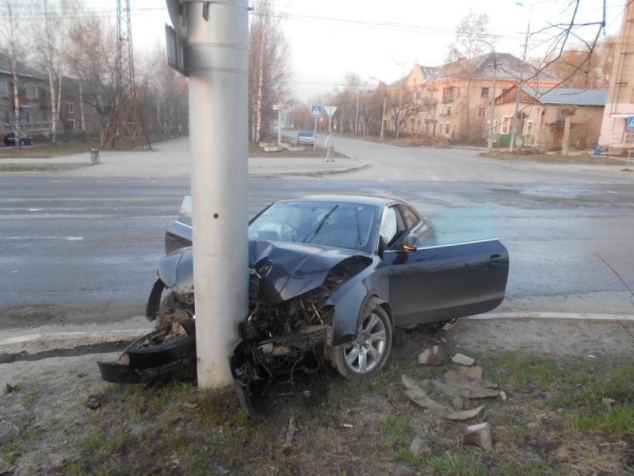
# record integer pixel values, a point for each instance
(541, 113)
(462, 92)
(615, 135)
(35, 103)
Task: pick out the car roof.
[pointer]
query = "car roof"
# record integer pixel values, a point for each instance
(343, 198)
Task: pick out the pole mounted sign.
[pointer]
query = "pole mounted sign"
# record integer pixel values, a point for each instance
(280, 96)
(630, 123)
(316, 110)
(330, 110)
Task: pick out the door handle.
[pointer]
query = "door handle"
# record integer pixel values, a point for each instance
(495, 259)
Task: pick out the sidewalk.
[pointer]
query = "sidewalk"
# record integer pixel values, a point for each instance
(172, 160)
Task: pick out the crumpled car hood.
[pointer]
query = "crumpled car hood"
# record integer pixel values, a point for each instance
(176, 270)
(288, 270)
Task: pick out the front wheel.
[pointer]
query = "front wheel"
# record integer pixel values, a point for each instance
(367, 354)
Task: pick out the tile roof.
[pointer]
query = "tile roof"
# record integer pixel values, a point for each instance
(482, 67)
(572, 96)
(23, 70)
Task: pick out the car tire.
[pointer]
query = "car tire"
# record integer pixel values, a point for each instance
(366, 355)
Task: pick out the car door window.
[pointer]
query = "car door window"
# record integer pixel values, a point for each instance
(416, 225)
(410, 217)
(392, 227)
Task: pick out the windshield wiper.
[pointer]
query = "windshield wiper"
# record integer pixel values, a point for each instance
(321, 223)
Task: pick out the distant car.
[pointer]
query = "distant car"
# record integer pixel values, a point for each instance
(305, 138)
(9, 139)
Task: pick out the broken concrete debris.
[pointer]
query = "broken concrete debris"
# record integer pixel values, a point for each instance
(93, 402)
(468, 376)
(479, 435)
(420, 448)
(462, 360)
(430, 357)
(288, 443)
(415, 393)
(503, 395)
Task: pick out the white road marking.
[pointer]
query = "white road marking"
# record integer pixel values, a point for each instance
(67, 238)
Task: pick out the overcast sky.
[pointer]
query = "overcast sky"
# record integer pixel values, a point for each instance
(382, 38)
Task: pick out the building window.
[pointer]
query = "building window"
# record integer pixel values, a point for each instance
(28, 92)
(447, 94)
(7, 119)
(485, 93)
(505, 125)
(446, 128)
(482, 112)
(36, 118)
(44, 117)
(4, 89)
(529, 128)
(71, 125)
(69, 108)
(35, 94)
(504, 90)
(449, 110)
(28, 118)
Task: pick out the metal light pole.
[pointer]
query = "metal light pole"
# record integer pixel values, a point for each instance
(519, 86)
(382, 135)
(218, 111)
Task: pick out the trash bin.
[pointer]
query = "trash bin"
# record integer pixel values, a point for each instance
(94, 156)
(598, 151)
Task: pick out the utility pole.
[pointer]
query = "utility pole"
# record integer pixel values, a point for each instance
(382, 134)
(217, 62)
(519, 86)
(126, 114)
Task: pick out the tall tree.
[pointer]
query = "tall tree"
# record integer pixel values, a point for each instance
(472, 37)
(580, 66)
(269, 68)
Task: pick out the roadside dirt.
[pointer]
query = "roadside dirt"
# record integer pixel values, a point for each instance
(348, 428)
(532, 155)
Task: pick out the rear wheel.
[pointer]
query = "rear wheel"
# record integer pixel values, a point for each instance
(367, 354)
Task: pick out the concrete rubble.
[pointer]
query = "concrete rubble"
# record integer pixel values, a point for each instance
(479, 435)
(462, 360)
(431, 357)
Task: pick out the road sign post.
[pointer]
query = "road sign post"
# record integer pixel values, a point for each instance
(315, 111)
(630, 127)
(330, 110)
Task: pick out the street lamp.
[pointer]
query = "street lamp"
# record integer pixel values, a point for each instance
(519, 86)
(382, 135)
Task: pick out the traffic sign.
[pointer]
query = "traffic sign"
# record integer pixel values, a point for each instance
(316, 111)
(630, 123)
(278, 107)
(330, 110)
(280, 96)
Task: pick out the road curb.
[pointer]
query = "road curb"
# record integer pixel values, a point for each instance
(63, 340)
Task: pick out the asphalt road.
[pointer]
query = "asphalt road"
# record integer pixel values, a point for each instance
(81, 251)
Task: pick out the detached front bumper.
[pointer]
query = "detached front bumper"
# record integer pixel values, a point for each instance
(150, 358)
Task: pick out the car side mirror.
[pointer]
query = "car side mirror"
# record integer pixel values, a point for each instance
(409, 242)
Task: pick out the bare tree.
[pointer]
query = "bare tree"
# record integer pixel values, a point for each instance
(472, 37)
(268, 68)
(411, 104)
(582, 67)
(93, 42)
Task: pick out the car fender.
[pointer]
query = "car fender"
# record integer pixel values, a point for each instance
(351, 298)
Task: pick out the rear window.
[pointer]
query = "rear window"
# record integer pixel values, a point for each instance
(306, 134)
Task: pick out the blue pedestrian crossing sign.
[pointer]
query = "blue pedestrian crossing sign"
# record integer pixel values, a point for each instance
(630, 123)
(317, 111)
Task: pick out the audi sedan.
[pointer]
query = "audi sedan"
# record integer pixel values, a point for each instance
(331, 277)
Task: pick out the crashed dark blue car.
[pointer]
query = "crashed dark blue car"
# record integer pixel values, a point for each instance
(330, 277)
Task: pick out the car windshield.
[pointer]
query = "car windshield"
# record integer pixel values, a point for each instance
(305, 134)
(341, 225)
